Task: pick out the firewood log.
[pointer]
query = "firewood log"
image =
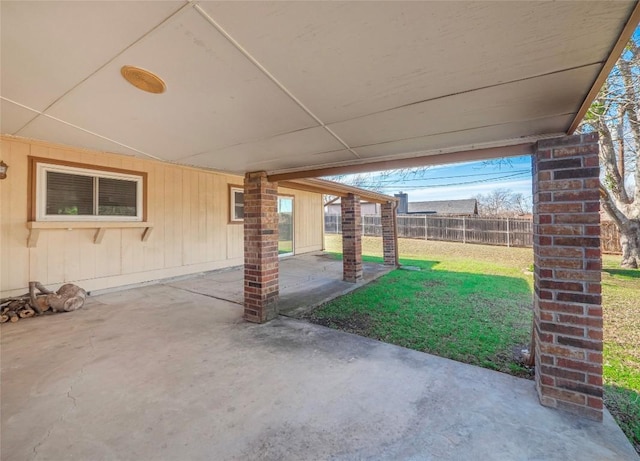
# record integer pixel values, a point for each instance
(4, 301)
(26, 313)
(4, 318)
(42, 303)
(32, 297)
(13, 317)
(69, 297)
(42, 289)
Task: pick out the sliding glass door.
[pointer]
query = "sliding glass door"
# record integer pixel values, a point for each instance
(285, 226)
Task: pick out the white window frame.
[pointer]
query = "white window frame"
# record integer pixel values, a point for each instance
(41, 193)
(232, 204)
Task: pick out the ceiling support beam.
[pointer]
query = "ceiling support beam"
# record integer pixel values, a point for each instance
(438, 159)
(320, 186)
(616, 52)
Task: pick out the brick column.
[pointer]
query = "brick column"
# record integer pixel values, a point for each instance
(389, 237)
(260, 248)
(351, 238)
(567, 299)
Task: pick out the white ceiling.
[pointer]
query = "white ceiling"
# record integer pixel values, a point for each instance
(280, 86)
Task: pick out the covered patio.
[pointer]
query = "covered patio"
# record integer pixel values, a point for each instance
(163, 373)
(280, 94)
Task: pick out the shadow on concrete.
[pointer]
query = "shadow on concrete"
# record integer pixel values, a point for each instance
(306, 281)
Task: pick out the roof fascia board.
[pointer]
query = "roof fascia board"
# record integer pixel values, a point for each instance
(333, 188)
(616, 52)
(439, 159)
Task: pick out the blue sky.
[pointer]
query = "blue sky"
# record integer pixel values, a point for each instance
(464, 180)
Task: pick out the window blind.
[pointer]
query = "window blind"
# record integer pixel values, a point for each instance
(69, 194)
(117, 197)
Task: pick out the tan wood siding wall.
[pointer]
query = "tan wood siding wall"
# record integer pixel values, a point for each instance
(189, 209)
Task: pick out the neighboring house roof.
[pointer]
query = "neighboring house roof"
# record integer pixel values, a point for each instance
(449, 207)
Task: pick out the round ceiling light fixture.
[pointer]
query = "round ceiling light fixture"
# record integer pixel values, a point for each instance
(143, 79)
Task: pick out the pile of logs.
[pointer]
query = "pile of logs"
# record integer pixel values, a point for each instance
(68, 298)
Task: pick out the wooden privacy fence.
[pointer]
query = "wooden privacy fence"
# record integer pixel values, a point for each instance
(510, 232)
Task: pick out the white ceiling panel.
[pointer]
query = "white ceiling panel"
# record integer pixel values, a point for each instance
(215, 97)
(303, 161)
(240, 157)
(349, 59)
(512, 102)
(48, 129)
(240, 165)
(253, 85)
(466, 138)
(49, 47)
(13, 117)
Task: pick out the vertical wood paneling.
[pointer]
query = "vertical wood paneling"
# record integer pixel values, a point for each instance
(153, 252)
(38, 257)
(218, 235)
(173, 221)
(87, 254)
(202, 217)
(235, 241)
(72, 255)
(187, 234)
(210, 216)
(5, 199)
(18, 252)
(55, 255)
(189, 209)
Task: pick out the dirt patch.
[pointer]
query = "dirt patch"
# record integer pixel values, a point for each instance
(432, 283)
(517, 356)
(357, 323)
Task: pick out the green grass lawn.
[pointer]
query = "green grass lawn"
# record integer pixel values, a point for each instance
(472, 303)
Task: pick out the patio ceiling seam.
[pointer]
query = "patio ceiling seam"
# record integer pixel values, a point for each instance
(105, 64)
(462, 130)
(51, 117)
(471, 90)
(271, 77)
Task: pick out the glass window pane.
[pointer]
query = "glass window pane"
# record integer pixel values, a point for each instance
(117, 197)
(238, 212)
(69, 194)
(239, 197)
(238, 205)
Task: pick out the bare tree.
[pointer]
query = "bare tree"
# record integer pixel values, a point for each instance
(504, 203)
(376, 181)
(615, 115)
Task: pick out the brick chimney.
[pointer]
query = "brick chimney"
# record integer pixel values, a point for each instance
(403, 203)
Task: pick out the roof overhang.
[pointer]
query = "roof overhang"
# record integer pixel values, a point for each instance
(335, 189)
(295, 87)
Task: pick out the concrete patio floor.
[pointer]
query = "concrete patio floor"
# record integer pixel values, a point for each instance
(306, 281)
(162, 373)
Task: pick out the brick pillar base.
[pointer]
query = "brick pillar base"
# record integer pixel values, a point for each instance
(260, 248)
(567, 300)
(389, 238)
(351, 238)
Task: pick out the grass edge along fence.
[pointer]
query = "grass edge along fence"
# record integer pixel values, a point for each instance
(509, 232)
